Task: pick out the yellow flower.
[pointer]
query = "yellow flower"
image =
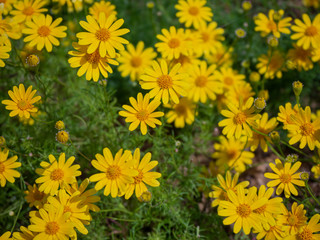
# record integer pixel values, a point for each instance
(273, 23)
(316, 55)
(221, 57)
(43, 32)
(174, 42)
(116, 173)
(202, 83)
(4, 54)
(25, 234)
(7, 6)
(23, 101)
(285, 113)
(240, 210)
(239, 119)
(193, 12)
(102, 6)
(57, 174)
(301, 58)
(7, 165)
(26, 9)
(307, 32)
(134, 61)
(51, 224)
(34, 197)
(229, 77)
(9, 29)
(181, 113)
(5, 236)
(285, 177)
(271, 232)
(309, 231)
(242, 90)
(91, 64)
(165, 84)
(103, 34)
(271, 65)
(240, 33)
(142, 112)
(144, 177)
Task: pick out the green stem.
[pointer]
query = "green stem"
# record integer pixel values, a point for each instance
(275, 151)
(311, 194)
(16, 219)
(79, 151)
(295, 149)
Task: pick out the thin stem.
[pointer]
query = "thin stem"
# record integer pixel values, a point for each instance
(16, 219)
(78, 151)
(274, 151)
(295, 149)
(311, 194)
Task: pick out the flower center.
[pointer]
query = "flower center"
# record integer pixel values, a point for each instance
(311, 31)
(228, 80)
(232, 153)
(261, 210)
(275, 63)
(138, 179)
(57, 175)
(205, 37)
(272, 25)
(28, 11)
(174, 43)
(113, 172)
(93, 57)
(306, 234)
(23, 105)
(37, 195)
(201, 81)
(181, 110)
(142, 115)
(307, 129)
(240, 118)
(136, 62)
(2, 1)
(285, 178)
(2, 168)
(165, 82)
(194, 11)
(103, 34)
(243, 210)
(43, 31)
(52, 228)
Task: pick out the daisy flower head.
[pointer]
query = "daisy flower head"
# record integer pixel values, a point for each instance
(240, 210)
(144, 177)
(25, 10)
(34, 197)
(103, 34)
(238, 119)
(135, 60)
(92, 65)
(301, 58)
(4, 54)
(103, 6)
(56, 174)
(9, 29)
(166, 84)
(116, 172)
(310, 230)
(202, 83)
(271, 65)
(22, 101)
(285, 113)
(7, 6)
(307, 33)
(229, 78)
(271, 232)
(193, 12)
(7, 166)
(285, 177)
(43, 32)
(142, 113)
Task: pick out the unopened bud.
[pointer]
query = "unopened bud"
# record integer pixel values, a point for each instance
(260, 103)
(275, 137)
(291, 158)
(59, 125)
(273, 41)
(145, 197)
(297, 88)
(304, 176)
(254, 77)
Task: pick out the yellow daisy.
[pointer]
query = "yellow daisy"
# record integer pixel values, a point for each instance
(55, 174)
(134, 61)
(193, 12)
(103, 34)
(90, 64)
(43, 32)
(7, 165)
(307, 32)
(202, 83)
(9, 29)
(102, 6)
(309, 231)
(4, 54)
(25, 234)
(285, 177)
(27, 9)
(242, 90)
(301, 58)
(229, 77)
(116, 173)
(285, 113)
(22, 101)
(271, 232)
(222, 57)
(34, 197)
(142, 113)
(144, 177)
(271, 64)
(165, 84)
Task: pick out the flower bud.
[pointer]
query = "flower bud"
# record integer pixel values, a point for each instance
(62, 137)
(273, 41)
(275, 137)
(246, 5)
(304, 176)
(264, 94)
(259, 104)
(32, 60)
(150, 4)
(2, 141)
(60, 125)
(145, 197)
(297, 87)
(254, 77)
(291, 158)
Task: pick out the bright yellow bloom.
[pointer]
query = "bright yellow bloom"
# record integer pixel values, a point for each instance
(103, 34)
(309, 231)
(9, 29)
(55, 174)
(242, 90)
(7, 165)
(239, 119)
(22, 101)
(142, 113)
(25, 234)
(181, 113)
(316, 55)
(229, 77)
(134, 61)
(102, 6)
(221, 57)
(4, 54)
(307, 32)
(27, 9)
(285, 113)
(90, 64)
(144, 177)
(301, 58)
(165, 84)
(271, 64)
(273, 23)
(43, 32)
(116, 173)
(193, 12)
(285, 177)
(34, 197)
(271, 232)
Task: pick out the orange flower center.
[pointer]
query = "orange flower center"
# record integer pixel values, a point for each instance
(275, 63)
(243, 210)
(194, 11)
(205, 37)
(201, 81)
(93, 57)
(228, 80)
(240, 118)
(52, 228)
(57, 175)
(311, 31)
(292, 219)
(232, 153)
(261, 210)
(2, 168)
(272, 26)
(138, 179)
(142, 115)
(285, 178)
(307, 129)
(28, 11)
(306, 234)
(181, 110)
(37, 195)
(23, 105)
(174, 43)
(2, 1)
(136, 62)
(165, 82)
(103, 34)
(66, 209)
(44, 31)
(113, 172)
